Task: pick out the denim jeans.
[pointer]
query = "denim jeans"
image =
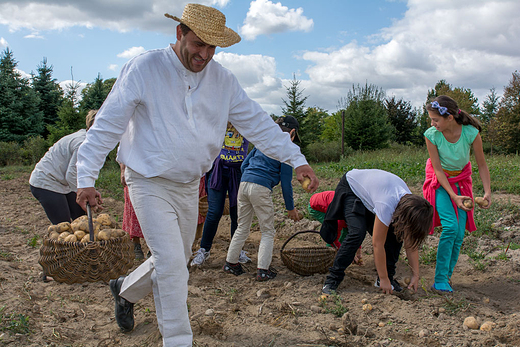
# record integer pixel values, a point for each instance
(216, 201)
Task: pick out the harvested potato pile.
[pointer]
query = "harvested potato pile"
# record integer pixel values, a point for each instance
(105, 228)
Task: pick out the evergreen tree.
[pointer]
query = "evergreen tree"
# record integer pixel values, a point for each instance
(295, 105)
(489, 107)
(20, 115)
(50, 93)
(70, 119)
(402, 118)
(312, 125)
(94, 95)
(366, 122)
(508, 117)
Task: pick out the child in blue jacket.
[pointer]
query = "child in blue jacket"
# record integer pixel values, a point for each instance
(259, 175)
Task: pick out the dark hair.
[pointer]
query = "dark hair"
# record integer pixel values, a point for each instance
(460, 116)
(185, 29)
(412, 219)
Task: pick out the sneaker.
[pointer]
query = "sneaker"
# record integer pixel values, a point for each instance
(243, 258)
(329, 288)
(200, 257)
(395, 285)
(264, 275)
(124, 309)
(442, 288)
(235, 269)
(138, 251)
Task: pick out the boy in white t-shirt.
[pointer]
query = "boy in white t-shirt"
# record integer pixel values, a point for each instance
(382, 204)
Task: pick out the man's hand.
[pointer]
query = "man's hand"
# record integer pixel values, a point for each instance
(306, 171)
(91, 195)
(293, 214)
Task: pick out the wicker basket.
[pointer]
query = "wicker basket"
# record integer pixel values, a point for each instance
(309, 260)
(94, 261)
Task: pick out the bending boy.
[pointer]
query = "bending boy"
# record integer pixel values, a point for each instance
(381, 203)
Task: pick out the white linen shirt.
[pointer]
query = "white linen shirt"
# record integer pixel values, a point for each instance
(170, 121)
(56, 171)
(380, 191)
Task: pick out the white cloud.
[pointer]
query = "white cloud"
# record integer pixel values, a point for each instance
(34, 35)
(265, 17)
(471, 44)
(39, 15)
(257, 75)
(113, 67)
(3, 42)
(131, 52)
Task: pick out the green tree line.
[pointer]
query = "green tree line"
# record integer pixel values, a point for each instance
(35, 112)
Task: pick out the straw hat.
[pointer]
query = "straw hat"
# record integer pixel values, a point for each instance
(208, 23)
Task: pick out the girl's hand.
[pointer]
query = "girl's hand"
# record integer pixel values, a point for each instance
(487, 197)
(459, 201)
(414, 283)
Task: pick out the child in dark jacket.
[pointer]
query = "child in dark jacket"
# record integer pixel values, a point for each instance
(259, 175)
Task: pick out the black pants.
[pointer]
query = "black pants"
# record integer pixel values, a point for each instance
(359, 220)
(58, 207)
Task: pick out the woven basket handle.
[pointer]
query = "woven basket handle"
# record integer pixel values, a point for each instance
(298, 233)
(90, 224)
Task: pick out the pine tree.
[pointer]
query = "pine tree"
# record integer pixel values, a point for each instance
(402, 118)
(20, 116)
(70, 119)
(366, 122)
(50, 93)
(94, 95)
(295, 105)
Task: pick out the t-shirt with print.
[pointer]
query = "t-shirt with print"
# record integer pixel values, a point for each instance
(235, 146)
(453, 156)
(380, 191)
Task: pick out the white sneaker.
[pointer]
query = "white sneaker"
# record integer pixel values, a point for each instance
(200, 257)
(243, 258)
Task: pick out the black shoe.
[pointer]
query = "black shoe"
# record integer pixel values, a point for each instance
(138, 251)
(124, 309)
(264, 275)
(329, 288)
(235, 269)
(395, 285)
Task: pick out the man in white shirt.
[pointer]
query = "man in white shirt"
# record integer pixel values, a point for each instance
(169, 110)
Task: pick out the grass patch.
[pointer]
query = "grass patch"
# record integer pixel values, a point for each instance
(453, 306)
(14, 323)
(428, 255)
(33, 241)
(332, 304)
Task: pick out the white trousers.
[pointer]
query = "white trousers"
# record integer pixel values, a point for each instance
(254, 198)
(167, 212)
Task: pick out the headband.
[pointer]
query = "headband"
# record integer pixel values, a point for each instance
(442, 110)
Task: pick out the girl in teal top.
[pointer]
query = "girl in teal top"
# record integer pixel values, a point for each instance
(449, 141)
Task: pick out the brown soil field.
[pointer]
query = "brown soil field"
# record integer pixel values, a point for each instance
(238, 311)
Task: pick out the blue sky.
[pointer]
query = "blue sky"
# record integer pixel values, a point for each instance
(404, 47)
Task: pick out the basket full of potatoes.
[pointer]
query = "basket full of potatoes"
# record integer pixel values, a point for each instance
(86, 250)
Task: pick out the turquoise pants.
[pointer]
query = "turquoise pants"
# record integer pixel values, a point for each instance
(451, 237)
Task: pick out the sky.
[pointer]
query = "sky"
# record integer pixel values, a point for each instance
(403, 47)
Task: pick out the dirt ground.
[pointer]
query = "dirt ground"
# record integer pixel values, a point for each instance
(238, 311)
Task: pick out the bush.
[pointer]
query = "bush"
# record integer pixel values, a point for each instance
(325, 151)
(34, 148)
(10, 153)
